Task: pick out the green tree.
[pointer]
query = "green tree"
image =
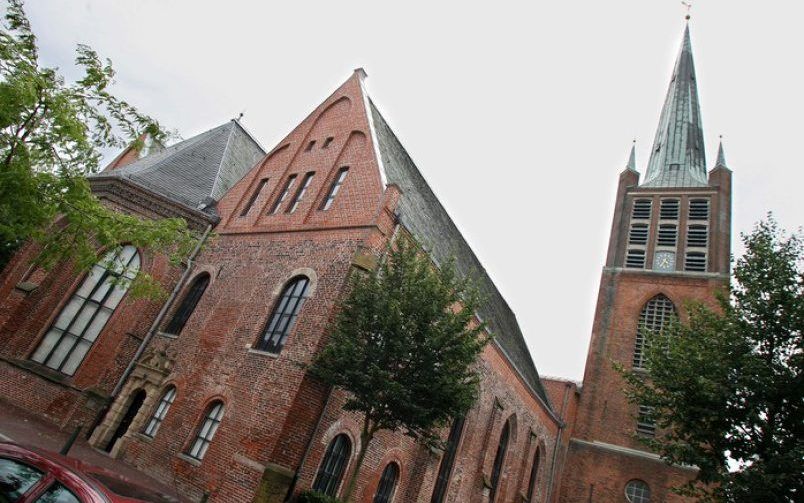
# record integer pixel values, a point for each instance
(726, 386)
(404, 345)
(52, 134)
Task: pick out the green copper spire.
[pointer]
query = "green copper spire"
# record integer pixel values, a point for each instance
(632, 158)
(677, 158)
(721, 157)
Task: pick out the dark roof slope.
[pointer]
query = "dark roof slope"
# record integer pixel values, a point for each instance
(424, 216)
(197, 169)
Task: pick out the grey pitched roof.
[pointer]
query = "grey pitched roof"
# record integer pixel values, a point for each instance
(677, 158)
(198, 169)
(423, 215)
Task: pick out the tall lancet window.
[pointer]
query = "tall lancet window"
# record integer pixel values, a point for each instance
(82, 319)
(499, 460)
(655, 315)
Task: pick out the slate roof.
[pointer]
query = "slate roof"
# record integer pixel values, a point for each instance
(196, 171)
(423, 215)
(677, 158)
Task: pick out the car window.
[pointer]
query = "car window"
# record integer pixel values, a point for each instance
(15, 479)
(57, 493)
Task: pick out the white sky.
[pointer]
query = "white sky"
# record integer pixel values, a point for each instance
(519, 114)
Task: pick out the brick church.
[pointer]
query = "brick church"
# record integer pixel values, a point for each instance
(207, 391)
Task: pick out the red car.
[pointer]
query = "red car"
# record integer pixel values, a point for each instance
(34, 476)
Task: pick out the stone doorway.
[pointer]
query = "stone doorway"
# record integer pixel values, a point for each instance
(134, 407)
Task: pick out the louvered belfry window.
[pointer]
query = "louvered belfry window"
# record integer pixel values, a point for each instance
(84, 316)
(642, 209)
(188, 304)
(385, 489)
(284, 315)
(330, 473)
(447, 460)
(499, 460)
(669, 209)
(655, 316)
(161, 411)
(668, 234)
(699, 209)
(638, 234)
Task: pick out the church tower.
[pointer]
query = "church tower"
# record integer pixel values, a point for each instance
(669, 243)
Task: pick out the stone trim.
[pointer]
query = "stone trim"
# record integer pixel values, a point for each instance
(627, 451)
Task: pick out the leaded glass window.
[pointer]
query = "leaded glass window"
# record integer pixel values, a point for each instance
(284, 315)
(161, 411)
(335, 188)
(207, 431)
(330, 473)
(534, 473)
(655, 316)
(308, 178)
(188, 304)
(388, 479)
(637, 491)
(499, 460)
(84, 316)
(284, 195)
(445, 469)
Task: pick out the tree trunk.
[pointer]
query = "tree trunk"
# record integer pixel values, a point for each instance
(365, 438)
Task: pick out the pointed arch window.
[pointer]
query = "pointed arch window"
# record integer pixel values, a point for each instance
(654, 317)
(284, 315)
(330, 473)
(499, 460)
(206, 431)
(534, 473)
(188, 304)
(82, 319)
(387, 485)
(161, 411)
(445, 469)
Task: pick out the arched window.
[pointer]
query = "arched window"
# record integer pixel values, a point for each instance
(499, 459)
(534, 473)
(655, 315)
(444, 470)
(206, 431)
(188, 304)
(284, 315)
(161, 411)
(637, 491)
(82, 319)
(333, 465)
(388, 479)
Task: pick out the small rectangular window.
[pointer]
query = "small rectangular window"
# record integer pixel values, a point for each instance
(638, 234)
(645, 422)
(300, 194)
(310, 146)
(285, 192)
(695, 261)
(635, 259)
(327, 142)
(336, 186)
(669, 209)
(641, 209)
(699, 209)
(253, 197)
(697, 236)
(668, 234)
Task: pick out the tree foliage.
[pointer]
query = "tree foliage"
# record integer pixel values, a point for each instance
(404, 345)
(52, 134)
(727, 385)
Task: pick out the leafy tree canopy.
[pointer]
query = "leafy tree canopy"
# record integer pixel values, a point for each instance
(51, 136)
(727, 385)
(404, 345)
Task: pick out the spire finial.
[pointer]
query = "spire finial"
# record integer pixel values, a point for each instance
(688, 5)
(632, 158)
(721, 157)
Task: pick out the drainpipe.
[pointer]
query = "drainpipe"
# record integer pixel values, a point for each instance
(561, 426)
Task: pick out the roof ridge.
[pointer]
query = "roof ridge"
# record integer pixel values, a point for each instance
(223, 157)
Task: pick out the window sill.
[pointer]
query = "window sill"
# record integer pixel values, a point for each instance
(167, 335)
(263, 353)
(188, 459)
(142, 437)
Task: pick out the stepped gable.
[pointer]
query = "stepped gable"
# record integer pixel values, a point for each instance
(423, 215)
(195, 172)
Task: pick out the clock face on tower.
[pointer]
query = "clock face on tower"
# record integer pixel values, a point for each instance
(664, 261)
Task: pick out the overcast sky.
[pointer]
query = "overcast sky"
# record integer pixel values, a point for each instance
(519, 114)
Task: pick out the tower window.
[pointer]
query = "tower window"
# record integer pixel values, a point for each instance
(310, 146)
(84, 316)
(253, 197)
(327, 142)
(444, 470)
(697, 236)
(206, 431)
(638, 234)
(161, 411)
(669, 209)
(668, 233)
(636, 491)
(695, 261)
(641, 209)
(635, 259)
(333, 465)
(302, 190)
(645, 422)
(699, 209)
(284, 315)
(188, 304)
(285, 192)
(388, 479)
(335, 188)
(655, 316)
